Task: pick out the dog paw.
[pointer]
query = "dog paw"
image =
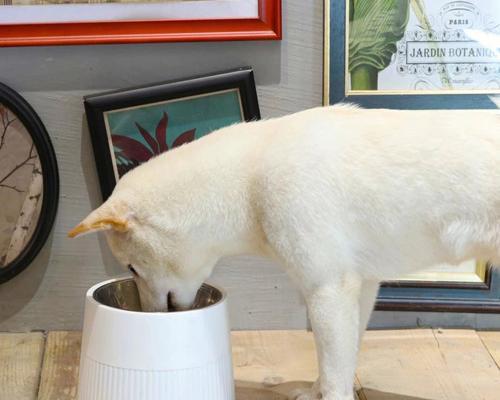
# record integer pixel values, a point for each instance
(304, 394)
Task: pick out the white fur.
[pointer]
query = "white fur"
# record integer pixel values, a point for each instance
(342, 197)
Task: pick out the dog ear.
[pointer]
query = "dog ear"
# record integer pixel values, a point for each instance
(102, 219)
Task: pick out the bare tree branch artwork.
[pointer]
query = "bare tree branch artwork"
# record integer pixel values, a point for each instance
(27, 218)
(30, 156)
(21, 186)
(5, 122)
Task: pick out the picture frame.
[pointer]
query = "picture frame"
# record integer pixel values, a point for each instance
(129, 126)
(471, 274)
(131, 22)
(29, 184)
(480, 291)
(442, 297)
(336, 72)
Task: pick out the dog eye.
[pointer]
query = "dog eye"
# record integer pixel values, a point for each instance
(132, 269)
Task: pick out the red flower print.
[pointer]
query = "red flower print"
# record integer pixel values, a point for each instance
(132, 152)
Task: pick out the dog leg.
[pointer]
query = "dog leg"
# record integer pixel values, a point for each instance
(368, 296)
(334, 309)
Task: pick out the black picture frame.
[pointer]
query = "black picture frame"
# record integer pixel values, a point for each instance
(29, 118)
(97, 105)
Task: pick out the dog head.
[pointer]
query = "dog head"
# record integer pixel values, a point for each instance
(168, 261)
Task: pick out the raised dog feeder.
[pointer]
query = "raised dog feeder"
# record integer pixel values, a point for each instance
(128, 354)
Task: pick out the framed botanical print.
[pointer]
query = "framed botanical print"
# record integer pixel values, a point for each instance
(412, 53)
(130, 126)
(419, 54)
(48, 22)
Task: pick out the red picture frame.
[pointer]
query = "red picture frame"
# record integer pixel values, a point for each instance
(266, 27)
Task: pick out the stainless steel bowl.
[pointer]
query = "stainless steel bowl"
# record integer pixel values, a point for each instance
(123, 294)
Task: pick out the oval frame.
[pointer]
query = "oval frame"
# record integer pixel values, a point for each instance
(33, 124)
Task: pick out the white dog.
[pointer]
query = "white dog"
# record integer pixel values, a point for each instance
(342, 197)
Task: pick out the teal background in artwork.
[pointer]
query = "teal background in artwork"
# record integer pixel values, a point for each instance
(206, 114)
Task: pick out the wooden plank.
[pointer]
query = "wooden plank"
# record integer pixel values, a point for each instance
(491, 341)
(270, 364)
(59, 377)
(426, 364)
(469, 364)
(20, 362)
(265, 367)
(394, 365)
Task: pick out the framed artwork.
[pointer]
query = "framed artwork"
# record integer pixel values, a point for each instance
(470, 272)
(130, 126)
(49, 22)
(29, 184)
(412, 54)
(419, 54)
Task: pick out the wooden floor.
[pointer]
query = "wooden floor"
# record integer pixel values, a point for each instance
(394, 365)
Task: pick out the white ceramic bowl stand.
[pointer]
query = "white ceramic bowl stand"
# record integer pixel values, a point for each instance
(130, 355)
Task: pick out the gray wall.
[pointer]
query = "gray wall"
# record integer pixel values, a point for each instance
(49, 294)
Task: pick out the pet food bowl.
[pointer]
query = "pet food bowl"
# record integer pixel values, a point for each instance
(128, 354)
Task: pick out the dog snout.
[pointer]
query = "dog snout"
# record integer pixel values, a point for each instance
(153, 302)
(181, 301)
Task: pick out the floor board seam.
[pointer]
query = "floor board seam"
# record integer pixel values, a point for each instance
(488, 351)
(42, 363)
